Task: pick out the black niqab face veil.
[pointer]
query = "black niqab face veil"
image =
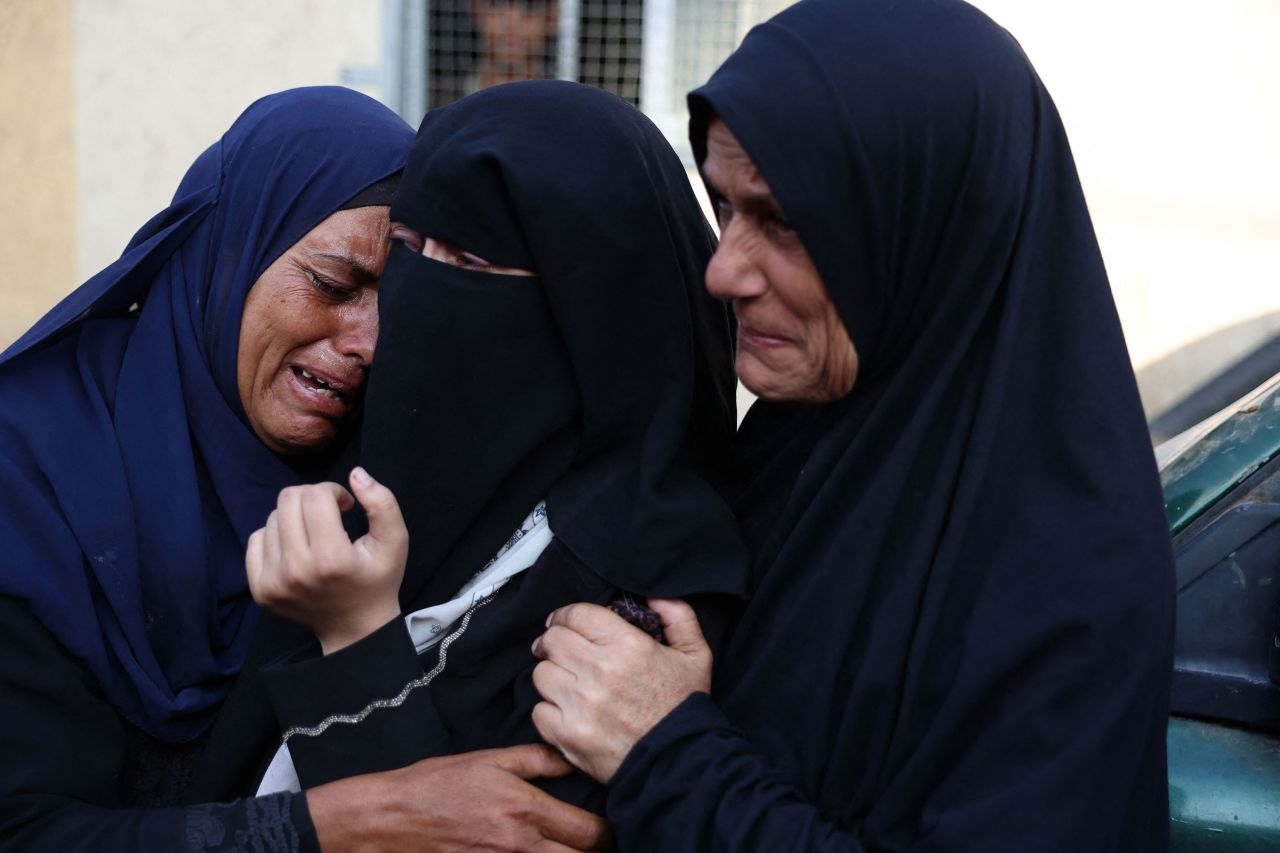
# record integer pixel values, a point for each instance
(603, 383)
(963, 566)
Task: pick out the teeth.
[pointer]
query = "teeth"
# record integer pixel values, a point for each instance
(320, 386)
(317, 379)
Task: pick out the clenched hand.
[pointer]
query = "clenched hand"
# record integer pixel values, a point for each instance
(605, 683)
(303, 566)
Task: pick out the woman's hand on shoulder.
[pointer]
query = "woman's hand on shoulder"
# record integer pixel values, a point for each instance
(303, 566)
(606, 683)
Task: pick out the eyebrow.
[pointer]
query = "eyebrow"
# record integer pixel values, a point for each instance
(761, 203)
(363, 273)
(750, 202)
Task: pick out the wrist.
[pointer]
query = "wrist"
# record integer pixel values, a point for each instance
(360, 812)
(335, 815)
(338, 637)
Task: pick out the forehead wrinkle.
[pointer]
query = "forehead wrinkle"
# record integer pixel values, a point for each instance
(739, 181)
(750, 194)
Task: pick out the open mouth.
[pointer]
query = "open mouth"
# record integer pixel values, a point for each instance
(321, 387)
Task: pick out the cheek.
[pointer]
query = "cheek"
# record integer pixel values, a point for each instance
(287, 324)
(817, 316)
(255, 336)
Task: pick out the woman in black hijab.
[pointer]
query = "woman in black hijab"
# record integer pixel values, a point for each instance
(549, 356)
(959, 636)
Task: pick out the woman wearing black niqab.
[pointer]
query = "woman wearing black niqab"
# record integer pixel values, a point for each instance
(591, 398)
(959, 636)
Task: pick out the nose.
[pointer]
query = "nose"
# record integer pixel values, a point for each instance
(733, 272)
(359, 334)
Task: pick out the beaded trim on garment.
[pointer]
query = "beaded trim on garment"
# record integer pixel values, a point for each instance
(399, 699)
(531, 522)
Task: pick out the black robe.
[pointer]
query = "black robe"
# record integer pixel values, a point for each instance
(959, 636)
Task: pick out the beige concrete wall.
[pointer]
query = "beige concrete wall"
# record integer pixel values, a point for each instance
(157, 82)
(105, 103)
(1173, 109)
(37, 165)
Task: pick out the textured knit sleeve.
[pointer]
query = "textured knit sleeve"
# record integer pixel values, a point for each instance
(65, 755)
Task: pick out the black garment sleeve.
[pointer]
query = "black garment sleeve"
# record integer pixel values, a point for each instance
(694, 782)
(65, 766)
(362, 709)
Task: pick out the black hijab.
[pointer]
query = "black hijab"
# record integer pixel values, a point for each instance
(962, 566)
(603, 384)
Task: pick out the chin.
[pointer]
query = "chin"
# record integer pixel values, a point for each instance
(764, 390)
(759, 379)
(310, 438)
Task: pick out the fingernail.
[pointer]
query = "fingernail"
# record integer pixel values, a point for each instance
(361, 476)
(547, 624)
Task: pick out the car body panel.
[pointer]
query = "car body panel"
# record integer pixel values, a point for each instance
(1224, 788)
(1213, 457)
(1221, 483)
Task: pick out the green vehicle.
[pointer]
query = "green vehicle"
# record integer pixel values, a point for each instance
(1222, 491)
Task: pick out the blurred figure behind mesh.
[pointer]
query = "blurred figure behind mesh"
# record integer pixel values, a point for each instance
(479, 43)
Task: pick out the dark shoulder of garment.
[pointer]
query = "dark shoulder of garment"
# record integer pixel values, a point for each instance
(77, 777)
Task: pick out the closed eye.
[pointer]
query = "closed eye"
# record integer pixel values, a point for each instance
(780, 227)
(330, 289)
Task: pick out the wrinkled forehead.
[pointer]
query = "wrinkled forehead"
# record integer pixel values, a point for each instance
(294, 158)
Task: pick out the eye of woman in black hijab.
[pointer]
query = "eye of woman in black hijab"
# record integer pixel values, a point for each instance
(456, 256)
(406, 236)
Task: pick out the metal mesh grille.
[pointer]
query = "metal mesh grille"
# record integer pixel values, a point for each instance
(609, 46)
(472, 44)
(649, 52)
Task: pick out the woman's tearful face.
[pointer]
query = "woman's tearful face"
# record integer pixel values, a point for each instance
(308, 331)
(792, 344)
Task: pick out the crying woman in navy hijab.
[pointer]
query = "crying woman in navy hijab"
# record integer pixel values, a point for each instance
(549, 424)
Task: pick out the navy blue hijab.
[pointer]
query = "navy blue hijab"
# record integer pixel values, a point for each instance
(961, 623)
(132, 479)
